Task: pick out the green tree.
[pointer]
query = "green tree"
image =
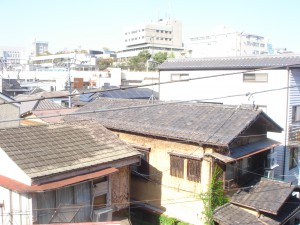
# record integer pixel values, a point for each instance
(214, 197)
(160, 57)
(138, 63)
(104, 63)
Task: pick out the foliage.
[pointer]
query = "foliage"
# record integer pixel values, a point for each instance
(138, 63)
(165, 220)
(160, 57)
(104, 63)
(214, 197)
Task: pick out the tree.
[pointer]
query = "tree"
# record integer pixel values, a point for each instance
(160, 57)
(104, 63)
(138, 63)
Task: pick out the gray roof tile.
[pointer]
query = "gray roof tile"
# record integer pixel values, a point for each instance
(240, 62)
(213, 124)
(267, 196)
(50, 149)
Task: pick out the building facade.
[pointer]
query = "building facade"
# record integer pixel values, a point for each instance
(267, 82)
(227, 42)
(160, 36)
(39, 48)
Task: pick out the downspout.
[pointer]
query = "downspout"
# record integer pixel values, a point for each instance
(158, 84)
(286, 123)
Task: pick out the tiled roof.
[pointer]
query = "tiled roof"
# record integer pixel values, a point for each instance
(230, 214)
(239, 62)
(50, 149)
(28, 106)
(213, 124)
(271, 203)
(267, 196)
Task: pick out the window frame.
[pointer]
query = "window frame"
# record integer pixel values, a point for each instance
(181, 76)
(176, 166)
(191, 163)
(296, 113)
(256, 77)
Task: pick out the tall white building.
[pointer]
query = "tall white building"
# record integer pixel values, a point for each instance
(227, 42)
(163, 35)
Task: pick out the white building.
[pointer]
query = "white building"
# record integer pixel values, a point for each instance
(245, 83)
(160, 36)
(226, 42)
(11, 58)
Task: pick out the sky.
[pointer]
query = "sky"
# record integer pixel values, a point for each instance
(94, 24)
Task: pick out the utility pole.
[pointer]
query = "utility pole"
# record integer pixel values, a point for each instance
(69, 83)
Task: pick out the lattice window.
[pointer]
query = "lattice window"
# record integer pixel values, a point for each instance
(177, 166)
(194, 170)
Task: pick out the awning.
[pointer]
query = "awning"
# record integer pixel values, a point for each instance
(21, 187)
(246, 150)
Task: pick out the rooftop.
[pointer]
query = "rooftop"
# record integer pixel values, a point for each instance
(237, 62)
(211, 124)
(51, 149)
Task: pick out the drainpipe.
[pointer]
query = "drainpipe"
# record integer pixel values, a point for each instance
(286, 124)
(159, 84)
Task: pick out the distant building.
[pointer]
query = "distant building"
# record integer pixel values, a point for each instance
(226, 42)
(39, 48)
(10, 58)
(163, 35)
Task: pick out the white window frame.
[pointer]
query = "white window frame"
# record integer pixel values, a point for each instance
(255, 77)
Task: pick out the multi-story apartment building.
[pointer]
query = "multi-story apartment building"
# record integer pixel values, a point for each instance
(226, 42)
(163, 35)
(10, 58)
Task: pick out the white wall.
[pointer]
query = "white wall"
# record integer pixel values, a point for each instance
(10, 169)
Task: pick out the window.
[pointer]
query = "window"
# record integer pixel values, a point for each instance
(296, 113)
(194, 170)
(255, 77)
(293, 157)
(176, 166)
(175, 77)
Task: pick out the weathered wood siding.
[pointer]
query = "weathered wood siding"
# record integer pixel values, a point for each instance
(120, 189)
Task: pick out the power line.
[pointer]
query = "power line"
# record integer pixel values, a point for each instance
(146, 85)
(146, 105)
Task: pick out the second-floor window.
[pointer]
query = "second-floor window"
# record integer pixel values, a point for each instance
(255, 77)
(296, 113)
(293, 157)
(176, 166)
(193, 170)
(182, 76)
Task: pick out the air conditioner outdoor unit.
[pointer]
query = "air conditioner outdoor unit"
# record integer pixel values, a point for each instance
(272, 160)
(102, 215)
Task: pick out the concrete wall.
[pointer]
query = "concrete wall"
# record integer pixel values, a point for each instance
(176, 197)
(9, 111)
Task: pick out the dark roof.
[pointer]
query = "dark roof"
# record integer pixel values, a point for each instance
(243, 150)
(287, 210)
(238, 62)
(50, 149)
(212, 124)
(271, 200)
(230, 214)
(28, 106)
(131, 93)
(267, 196)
